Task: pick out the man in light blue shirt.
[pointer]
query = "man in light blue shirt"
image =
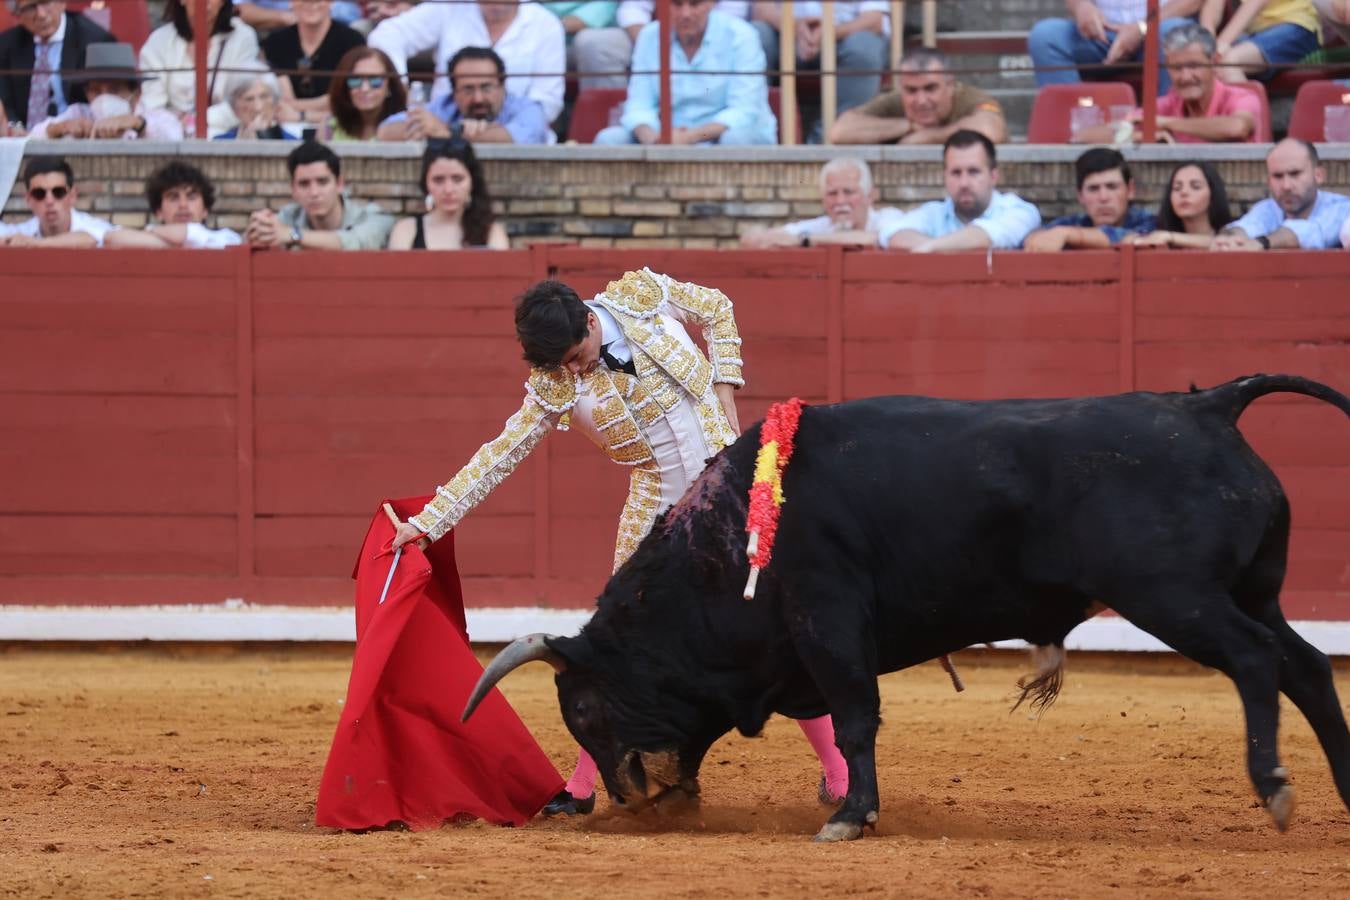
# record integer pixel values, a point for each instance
(1296, 214)
(478, 107)
(705, 108)
(974, 216)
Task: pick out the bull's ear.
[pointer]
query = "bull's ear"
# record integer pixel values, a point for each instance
(576, 650)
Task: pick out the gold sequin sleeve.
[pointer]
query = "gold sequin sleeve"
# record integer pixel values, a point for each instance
(711, 309)
(547, 400)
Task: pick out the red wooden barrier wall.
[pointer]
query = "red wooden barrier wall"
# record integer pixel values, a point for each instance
(187, 427)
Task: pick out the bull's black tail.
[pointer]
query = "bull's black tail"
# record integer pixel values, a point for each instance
(1236, 395)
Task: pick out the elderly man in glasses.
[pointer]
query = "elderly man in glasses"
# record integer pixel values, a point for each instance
(47, 42)
(478, 108)
(50, 186)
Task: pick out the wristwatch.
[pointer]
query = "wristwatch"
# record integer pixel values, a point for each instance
(806, 240)
(1264, 241)
(294, 239)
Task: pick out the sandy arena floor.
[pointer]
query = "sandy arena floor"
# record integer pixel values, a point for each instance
(192, 772)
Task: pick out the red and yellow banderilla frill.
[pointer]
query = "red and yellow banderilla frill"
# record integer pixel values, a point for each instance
(776, 438)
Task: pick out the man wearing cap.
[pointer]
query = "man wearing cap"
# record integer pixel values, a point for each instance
(40, 53)
(114, 109)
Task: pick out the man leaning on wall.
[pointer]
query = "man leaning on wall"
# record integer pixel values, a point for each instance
(851, 216)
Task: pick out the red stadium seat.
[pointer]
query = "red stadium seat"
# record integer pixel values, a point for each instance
(128, 20)
(1308, 117)
(591, 112)
(590, 115)
(1050, 113)
(1263, 133)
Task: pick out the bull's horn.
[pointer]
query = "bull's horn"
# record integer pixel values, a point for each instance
(516, 653)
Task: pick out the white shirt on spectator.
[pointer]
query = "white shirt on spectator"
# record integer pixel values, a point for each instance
(79, 221)
(877, 219)
(160, 124)
(640, 12)
(1345, 234)
(199, 237)
(177, 91)
(1121, 12)
(533, 42)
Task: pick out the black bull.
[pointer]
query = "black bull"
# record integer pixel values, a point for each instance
(914, 527)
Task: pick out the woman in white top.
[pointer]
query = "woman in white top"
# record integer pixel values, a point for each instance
(233, 45)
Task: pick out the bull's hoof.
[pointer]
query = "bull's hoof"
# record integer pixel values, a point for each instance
(1280, 805)
(832, 832)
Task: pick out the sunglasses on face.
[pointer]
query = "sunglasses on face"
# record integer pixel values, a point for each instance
(373, 81)
(39, 194)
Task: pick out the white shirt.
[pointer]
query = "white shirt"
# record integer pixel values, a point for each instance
(639, 12)
(160, 124)
(164, 49)
(1345, 234)
(611, 335)
(877, 219)
(1121, 12)
(79, 221)
(199, 237)
(533, 42)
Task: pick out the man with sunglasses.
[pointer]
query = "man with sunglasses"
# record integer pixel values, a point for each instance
(478, 108)
(47, 43)
(51, 196)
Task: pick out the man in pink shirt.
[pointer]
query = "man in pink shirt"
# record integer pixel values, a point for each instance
(1200, 108)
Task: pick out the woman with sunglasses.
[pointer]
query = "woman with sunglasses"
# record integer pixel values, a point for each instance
(303, 54)
(459, 209)
(365, 90)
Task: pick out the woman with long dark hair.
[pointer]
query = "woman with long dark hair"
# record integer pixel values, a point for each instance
(365, 90)
(233, 45)
(1194, 208)
(459, 208)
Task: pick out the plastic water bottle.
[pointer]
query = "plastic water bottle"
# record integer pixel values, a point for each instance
(417, 94)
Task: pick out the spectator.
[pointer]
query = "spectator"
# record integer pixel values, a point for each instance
(1297, 213)
(633, 15)
(314, 44)
(597, 49)
(974, 216)
(168, 55)
(38, 86)
(860, 30)
(1105, 191)
(851, 214)
(1199, 108)
(459, 208)
(365, 91)
(527, 37)
(712, 108)
(51, 197)
(180, 198)
(255, 99)
(478, 108)
(114, 108)
(1194, 208)
(265, 16)
(1335, 16)
(323, 216)
(1101, 31)
(1260, 34)
(930, 107)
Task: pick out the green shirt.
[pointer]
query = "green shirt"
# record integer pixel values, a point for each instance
(595, 13)
(364, 225)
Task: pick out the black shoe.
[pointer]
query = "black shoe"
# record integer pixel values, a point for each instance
(564, 804)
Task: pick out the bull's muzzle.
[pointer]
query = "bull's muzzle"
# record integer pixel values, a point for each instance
(644, 777)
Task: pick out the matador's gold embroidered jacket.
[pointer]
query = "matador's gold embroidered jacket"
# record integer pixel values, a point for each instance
(614, 408)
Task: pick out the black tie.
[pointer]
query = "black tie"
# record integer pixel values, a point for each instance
(614, 365)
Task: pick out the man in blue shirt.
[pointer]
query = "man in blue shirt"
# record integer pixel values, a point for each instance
(1296, 214)
(1105, 190)
(712, 108)
(478, 108)
(974, 216)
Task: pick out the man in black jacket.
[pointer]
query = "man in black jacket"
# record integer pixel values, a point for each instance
(36, 88)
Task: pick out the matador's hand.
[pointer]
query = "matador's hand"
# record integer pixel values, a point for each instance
(408, 532)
